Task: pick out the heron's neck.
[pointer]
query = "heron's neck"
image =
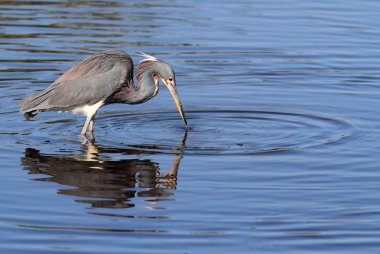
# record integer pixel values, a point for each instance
(147, 87)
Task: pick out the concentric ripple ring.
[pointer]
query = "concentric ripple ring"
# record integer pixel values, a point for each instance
(228, 131)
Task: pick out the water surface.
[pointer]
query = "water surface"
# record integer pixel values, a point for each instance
(282, 100)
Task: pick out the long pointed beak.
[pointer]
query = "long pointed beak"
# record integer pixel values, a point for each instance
(174, 93)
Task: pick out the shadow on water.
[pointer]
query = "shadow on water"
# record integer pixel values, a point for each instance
(102, 182)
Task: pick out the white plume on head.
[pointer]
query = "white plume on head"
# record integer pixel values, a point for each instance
(147, 57)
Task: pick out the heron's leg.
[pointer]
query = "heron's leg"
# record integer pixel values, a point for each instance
(91, 111)
(88, 119)
(91, 129)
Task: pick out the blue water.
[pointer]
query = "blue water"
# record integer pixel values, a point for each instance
(282, 100)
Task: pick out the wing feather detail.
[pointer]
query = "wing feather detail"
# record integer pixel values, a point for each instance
(90, 81)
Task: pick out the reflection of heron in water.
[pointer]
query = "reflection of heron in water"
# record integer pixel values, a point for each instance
(106, 183)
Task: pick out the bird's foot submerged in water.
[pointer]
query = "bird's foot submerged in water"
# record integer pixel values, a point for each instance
(85, 139)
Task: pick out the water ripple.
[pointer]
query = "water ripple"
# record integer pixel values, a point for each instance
(231, 132)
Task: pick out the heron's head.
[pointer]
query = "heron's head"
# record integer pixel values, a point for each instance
(161, 70)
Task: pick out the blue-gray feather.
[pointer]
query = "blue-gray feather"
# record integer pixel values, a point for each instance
(106, 76)
(92, 80)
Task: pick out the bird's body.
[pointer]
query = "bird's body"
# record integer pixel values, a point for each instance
(104, 78)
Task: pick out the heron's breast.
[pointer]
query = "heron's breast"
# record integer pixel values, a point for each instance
(87, 109)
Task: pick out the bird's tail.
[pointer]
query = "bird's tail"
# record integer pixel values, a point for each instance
(30, 114)
(31, 104)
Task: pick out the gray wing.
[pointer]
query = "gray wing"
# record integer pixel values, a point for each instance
(92, 80)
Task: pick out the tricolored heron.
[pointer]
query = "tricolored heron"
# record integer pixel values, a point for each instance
(101, 79)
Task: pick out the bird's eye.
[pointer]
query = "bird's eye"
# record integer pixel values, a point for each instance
(170, 79)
